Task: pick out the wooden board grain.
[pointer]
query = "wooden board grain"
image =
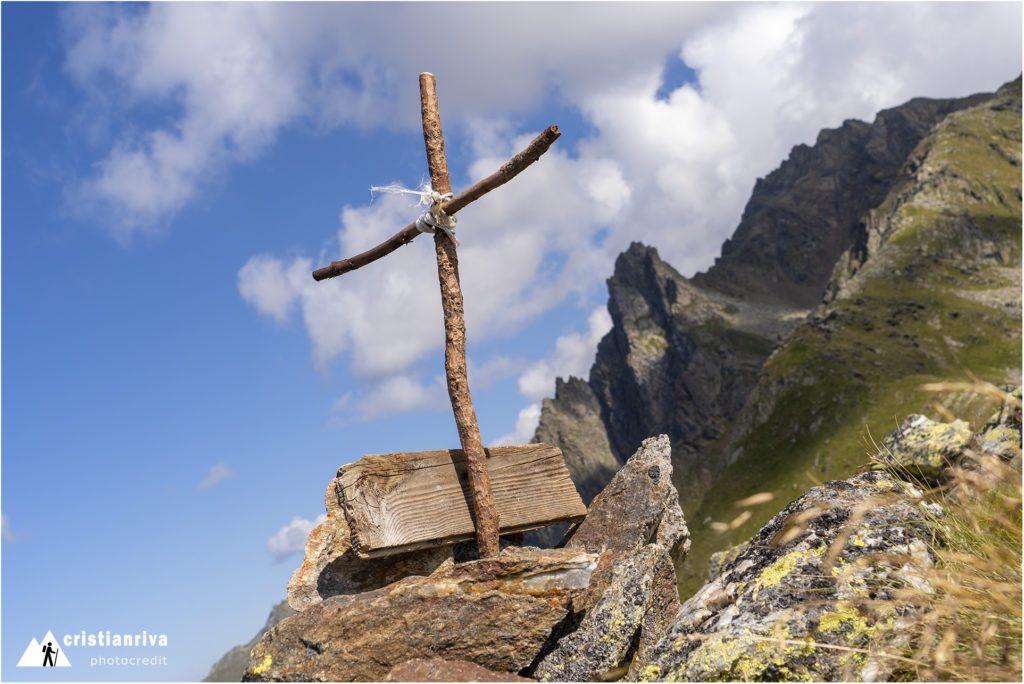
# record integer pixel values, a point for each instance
(414, 500)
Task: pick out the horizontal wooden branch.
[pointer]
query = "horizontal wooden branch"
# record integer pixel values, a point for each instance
(507, 172)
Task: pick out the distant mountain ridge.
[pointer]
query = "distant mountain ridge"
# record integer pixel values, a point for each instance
(805, 214)
(730, 364)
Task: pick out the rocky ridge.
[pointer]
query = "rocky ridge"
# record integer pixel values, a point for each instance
(803, 216)
(677, 361)
(863, 267)
(684, 354)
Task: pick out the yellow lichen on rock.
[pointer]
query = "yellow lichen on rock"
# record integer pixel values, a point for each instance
(845, 614)
(775, 572)
(649, 674)
(264, 665)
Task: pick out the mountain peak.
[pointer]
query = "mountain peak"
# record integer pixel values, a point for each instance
(805, 214)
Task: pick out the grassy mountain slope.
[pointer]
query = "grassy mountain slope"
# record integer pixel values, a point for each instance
(930, 290)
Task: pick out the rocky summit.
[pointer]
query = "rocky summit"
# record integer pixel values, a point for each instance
(578, 612)
(810, 597)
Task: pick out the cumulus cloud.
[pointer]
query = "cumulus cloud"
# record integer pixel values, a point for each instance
(526, 425)
(574, 354)
(238, 72)
(218, 473)
(292, 537)
(271, 287)
(671, 168)
(398, 394)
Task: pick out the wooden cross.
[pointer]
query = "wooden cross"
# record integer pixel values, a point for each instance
(476, 466)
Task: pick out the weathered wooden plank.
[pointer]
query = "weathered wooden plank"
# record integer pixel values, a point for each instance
(421, 499)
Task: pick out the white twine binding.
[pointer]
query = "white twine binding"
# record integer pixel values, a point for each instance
(434, 217)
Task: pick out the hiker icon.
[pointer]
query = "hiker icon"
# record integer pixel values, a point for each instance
(49, 655)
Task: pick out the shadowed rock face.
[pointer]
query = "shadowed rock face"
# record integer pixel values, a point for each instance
(639, 506)
(615, 606)
(675, 362)
(637, 526)
(805, 214)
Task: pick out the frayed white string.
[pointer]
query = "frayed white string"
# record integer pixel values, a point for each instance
(434, 217)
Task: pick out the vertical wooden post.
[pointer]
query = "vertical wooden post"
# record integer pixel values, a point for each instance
(486, 517)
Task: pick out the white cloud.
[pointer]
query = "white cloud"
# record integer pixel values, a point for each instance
(218, 473)
(493, 370)
(573, 355)
(239, 72)
(526, 425)
(5, 529)
(398, 394)
(273, 289)
(674, 172)
(234, 74)
(292, 537)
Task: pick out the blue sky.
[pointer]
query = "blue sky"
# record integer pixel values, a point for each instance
(176, 390)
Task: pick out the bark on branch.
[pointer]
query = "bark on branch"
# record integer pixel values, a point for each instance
(485, 514)
(507, 172)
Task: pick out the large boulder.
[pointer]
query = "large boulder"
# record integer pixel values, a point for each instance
(639, 506)
(611, 614)
(330, 566)
(636, 525)
(790, 605)
(497, 613)
(923, 447)
(930, 450)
